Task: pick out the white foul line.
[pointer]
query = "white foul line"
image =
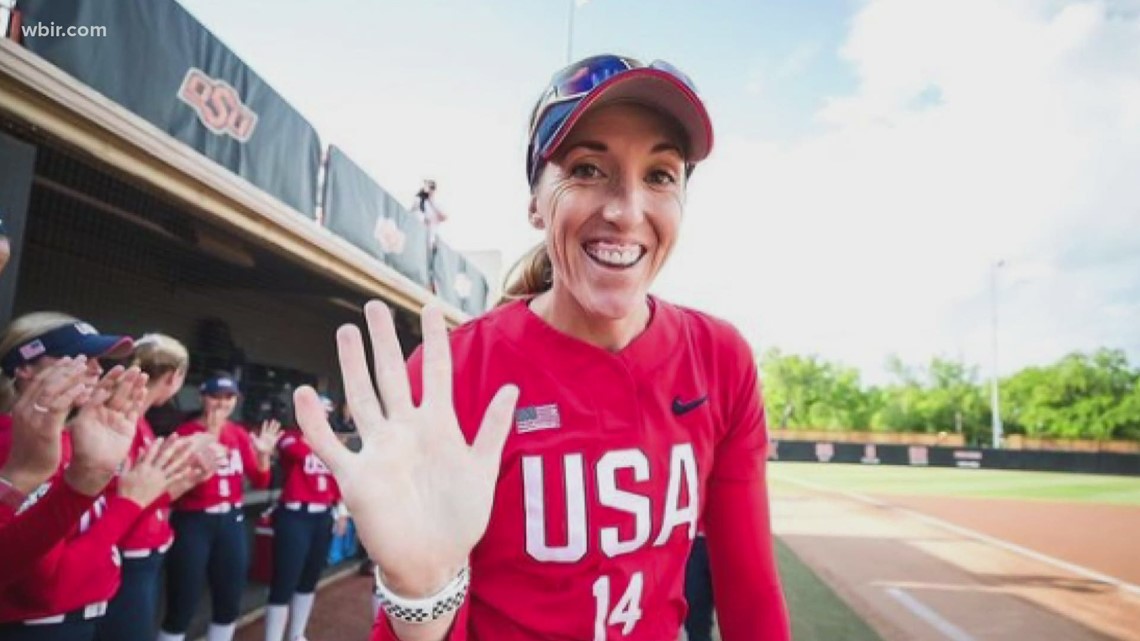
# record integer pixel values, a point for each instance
(978, 536)
(949, 630)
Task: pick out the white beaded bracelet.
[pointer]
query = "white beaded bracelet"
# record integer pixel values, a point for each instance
(429, 608)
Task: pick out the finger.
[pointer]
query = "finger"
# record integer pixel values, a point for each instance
(106, 388)
(150, 454)
(357, 381)
(137, 399)
(61, 393)
(315, 425)
(202, 452)
(61, 376)
(171, 449)
(180, 456)
(177, 478)
(391, 374)
(45, 389)
(64, 402)
(125, 390)
(111, 377)
(437, 384)
(97, 397)
(40, 382)
(496, 425)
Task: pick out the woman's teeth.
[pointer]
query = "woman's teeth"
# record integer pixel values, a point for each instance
(614, 256)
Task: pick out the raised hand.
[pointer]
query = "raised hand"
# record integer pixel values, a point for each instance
(163, 464)
(267, 437)
(419, 493)
(38, 417)
(104, 428)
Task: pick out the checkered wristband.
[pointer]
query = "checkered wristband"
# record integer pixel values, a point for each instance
(427, 609)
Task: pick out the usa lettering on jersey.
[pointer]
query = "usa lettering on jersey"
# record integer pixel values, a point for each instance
(682, 473)
(314, 466)
(229, 464)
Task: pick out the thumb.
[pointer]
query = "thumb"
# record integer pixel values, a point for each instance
(496, 425)
(314, 424)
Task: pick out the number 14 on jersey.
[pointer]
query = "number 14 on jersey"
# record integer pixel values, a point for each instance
(627, 611)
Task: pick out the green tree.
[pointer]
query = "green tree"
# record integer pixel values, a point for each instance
(1080, 396)
(938, 398)
(1093, 396)
(807, 392)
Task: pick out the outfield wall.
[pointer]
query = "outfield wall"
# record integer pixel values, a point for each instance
(966, 457)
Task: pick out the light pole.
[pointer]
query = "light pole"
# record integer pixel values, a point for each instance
(995, 396)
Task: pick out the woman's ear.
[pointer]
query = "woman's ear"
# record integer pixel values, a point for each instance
(535, 218)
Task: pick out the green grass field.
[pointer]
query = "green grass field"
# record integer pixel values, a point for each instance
(946, 481)
(817, 613)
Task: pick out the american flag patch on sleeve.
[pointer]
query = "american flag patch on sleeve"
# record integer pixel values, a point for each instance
(537, 417)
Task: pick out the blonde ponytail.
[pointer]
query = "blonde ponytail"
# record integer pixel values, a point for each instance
(531, 275)
(159, 354)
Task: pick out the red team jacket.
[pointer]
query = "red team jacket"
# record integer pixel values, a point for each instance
(307, 480)
(225, 486)
(82, 569)
(604, 478)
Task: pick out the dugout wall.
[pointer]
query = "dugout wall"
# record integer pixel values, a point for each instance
(948, 456)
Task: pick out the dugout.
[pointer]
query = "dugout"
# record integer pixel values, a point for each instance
(133, 209)
(151, 181)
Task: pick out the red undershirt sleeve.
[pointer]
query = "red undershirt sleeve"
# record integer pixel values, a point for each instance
(746, 587)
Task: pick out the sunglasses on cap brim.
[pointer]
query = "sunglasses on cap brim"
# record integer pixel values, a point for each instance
(578, 80)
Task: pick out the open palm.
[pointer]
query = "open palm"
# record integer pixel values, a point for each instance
(266, 438)
(104, 428)
(420, 494)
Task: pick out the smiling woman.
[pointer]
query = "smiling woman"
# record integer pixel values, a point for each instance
(581, 434)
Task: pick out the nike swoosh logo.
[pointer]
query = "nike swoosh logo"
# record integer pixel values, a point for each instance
(681, 407)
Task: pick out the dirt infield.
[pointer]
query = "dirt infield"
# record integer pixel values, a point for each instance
(914, 578)
(1103, 538)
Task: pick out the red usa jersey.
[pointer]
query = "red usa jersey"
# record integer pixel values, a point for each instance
(152, 529)
(81, 569)
(599, 492)
(225, 486)
(307, 479)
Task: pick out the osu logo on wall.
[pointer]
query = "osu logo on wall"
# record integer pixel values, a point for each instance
(218, 105)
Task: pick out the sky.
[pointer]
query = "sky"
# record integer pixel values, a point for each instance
(875, 160)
